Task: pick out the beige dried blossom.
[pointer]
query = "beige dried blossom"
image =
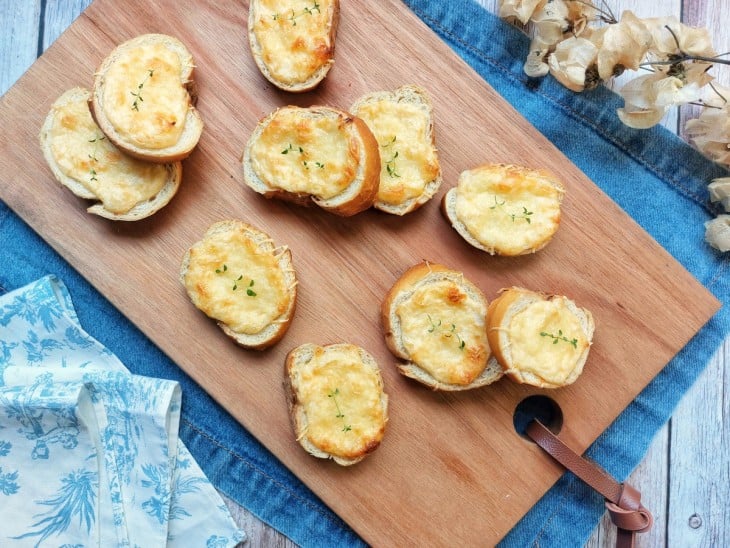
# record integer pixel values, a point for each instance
(671, 37)
(571, 62)
(717, 232)
(549, 24)
(621, 45)
(520, 10)
(710, 132)
(649, 97)
(552, 23)
(720, 191)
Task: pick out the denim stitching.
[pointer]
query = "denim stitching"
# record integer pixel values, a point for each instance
(668, 177)
(261, 472)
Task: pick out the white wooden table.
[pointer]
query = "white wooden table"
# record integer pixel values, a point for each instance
(685, 477)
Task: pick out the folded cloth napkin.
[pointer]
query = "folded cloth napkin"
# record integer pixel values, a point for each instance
(89, 452)
(656, 178)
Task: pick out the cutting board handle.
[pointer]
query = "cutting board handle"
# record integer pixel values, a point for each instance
(623, 502)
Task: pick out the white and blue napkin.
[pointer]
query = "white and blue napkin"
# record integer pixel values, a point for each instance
(89, 453)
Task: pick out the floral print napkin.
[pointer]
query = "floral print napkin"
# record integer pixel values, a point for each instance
(89, 453)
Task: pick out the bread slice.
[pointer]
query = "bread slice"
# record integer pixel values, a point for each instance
(505, 209)
(293, 43)
(337, 402)
(541, 340)
(435, 320)
(318, 155)
(402, 122)
(83, 160)
(142, 98)
(239, 277)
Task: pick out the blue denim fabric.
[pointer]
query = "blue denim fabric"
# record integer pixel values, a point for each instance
(656, 178)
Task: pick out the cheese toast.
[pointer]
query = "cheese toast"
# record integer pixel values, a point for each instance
(541, 340)
(239, 277)
(293, 41)
(142, 101)
(402, 122)
(435, 320)
(318, 155)
(337, 402)
(83, 160)
(505, 209)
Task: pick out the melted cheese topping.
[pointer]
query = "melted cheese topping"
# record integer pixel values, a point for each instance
(342, 401)
(294, 37)
(219, 276)
(407, 156)
(435, 320)
(83, 153)
(510, 210)
(303, 153)
(546, 340)
(144, 98)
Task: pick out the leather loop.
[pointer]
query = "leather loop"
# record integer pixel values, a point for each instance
(623, 502)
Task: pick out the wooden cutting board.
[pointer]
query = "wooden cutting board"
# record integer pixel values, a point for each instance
(451, 469)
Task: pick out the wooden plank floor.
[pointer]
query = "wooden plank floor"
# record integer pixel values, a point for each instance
(685, 476)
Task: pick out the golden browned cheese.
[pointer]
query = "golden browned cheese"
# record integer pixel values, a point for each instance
(83, 153)
(546, 340)
(311, 154)
(144, 99)
(294, 37)
(342, 402)
(232, 280)
(444, 331)
(408, 157)
(513, 209)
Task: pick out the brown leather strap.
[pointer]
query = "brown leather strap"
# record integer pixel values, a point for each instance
(623, 502)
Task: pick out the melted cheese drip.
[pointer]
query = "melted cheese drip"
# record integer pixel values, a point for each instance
(495, 207)
(541, 354)
(295, 43)
(83, 153)
(357, 400)
(435, 320)
(234, 255)
(307, 154)
(157, 119)
(405, 176)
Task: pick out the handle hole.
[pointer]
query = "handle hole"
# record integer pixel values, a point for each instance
(542, 408)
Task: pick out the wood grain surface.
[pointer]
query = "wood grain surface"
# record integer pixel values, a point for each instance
(441, 451)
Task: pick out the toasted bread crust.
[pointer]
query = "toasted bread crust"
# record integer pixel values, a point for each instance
(274, 332)
(193, 122)
(499, 314)
(414, 95)
(405, 285)
(358, 196)
(139, 211)
(297, 413)
(317, 76)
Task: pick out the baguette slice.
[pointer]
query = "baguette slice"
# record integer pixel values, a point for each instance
(435, 320)
(89, 165)
(402, 122)
(142, 98)
(239, 277)
(317, 155)
(337, 403)
(505, 209)
(293, 43)
(541, 340)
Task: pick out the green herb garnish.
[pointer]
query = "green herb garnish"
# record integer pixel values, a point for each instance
(560, 337)
(138, 94)
(451, 332)
(390, 166)
(333, 394)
